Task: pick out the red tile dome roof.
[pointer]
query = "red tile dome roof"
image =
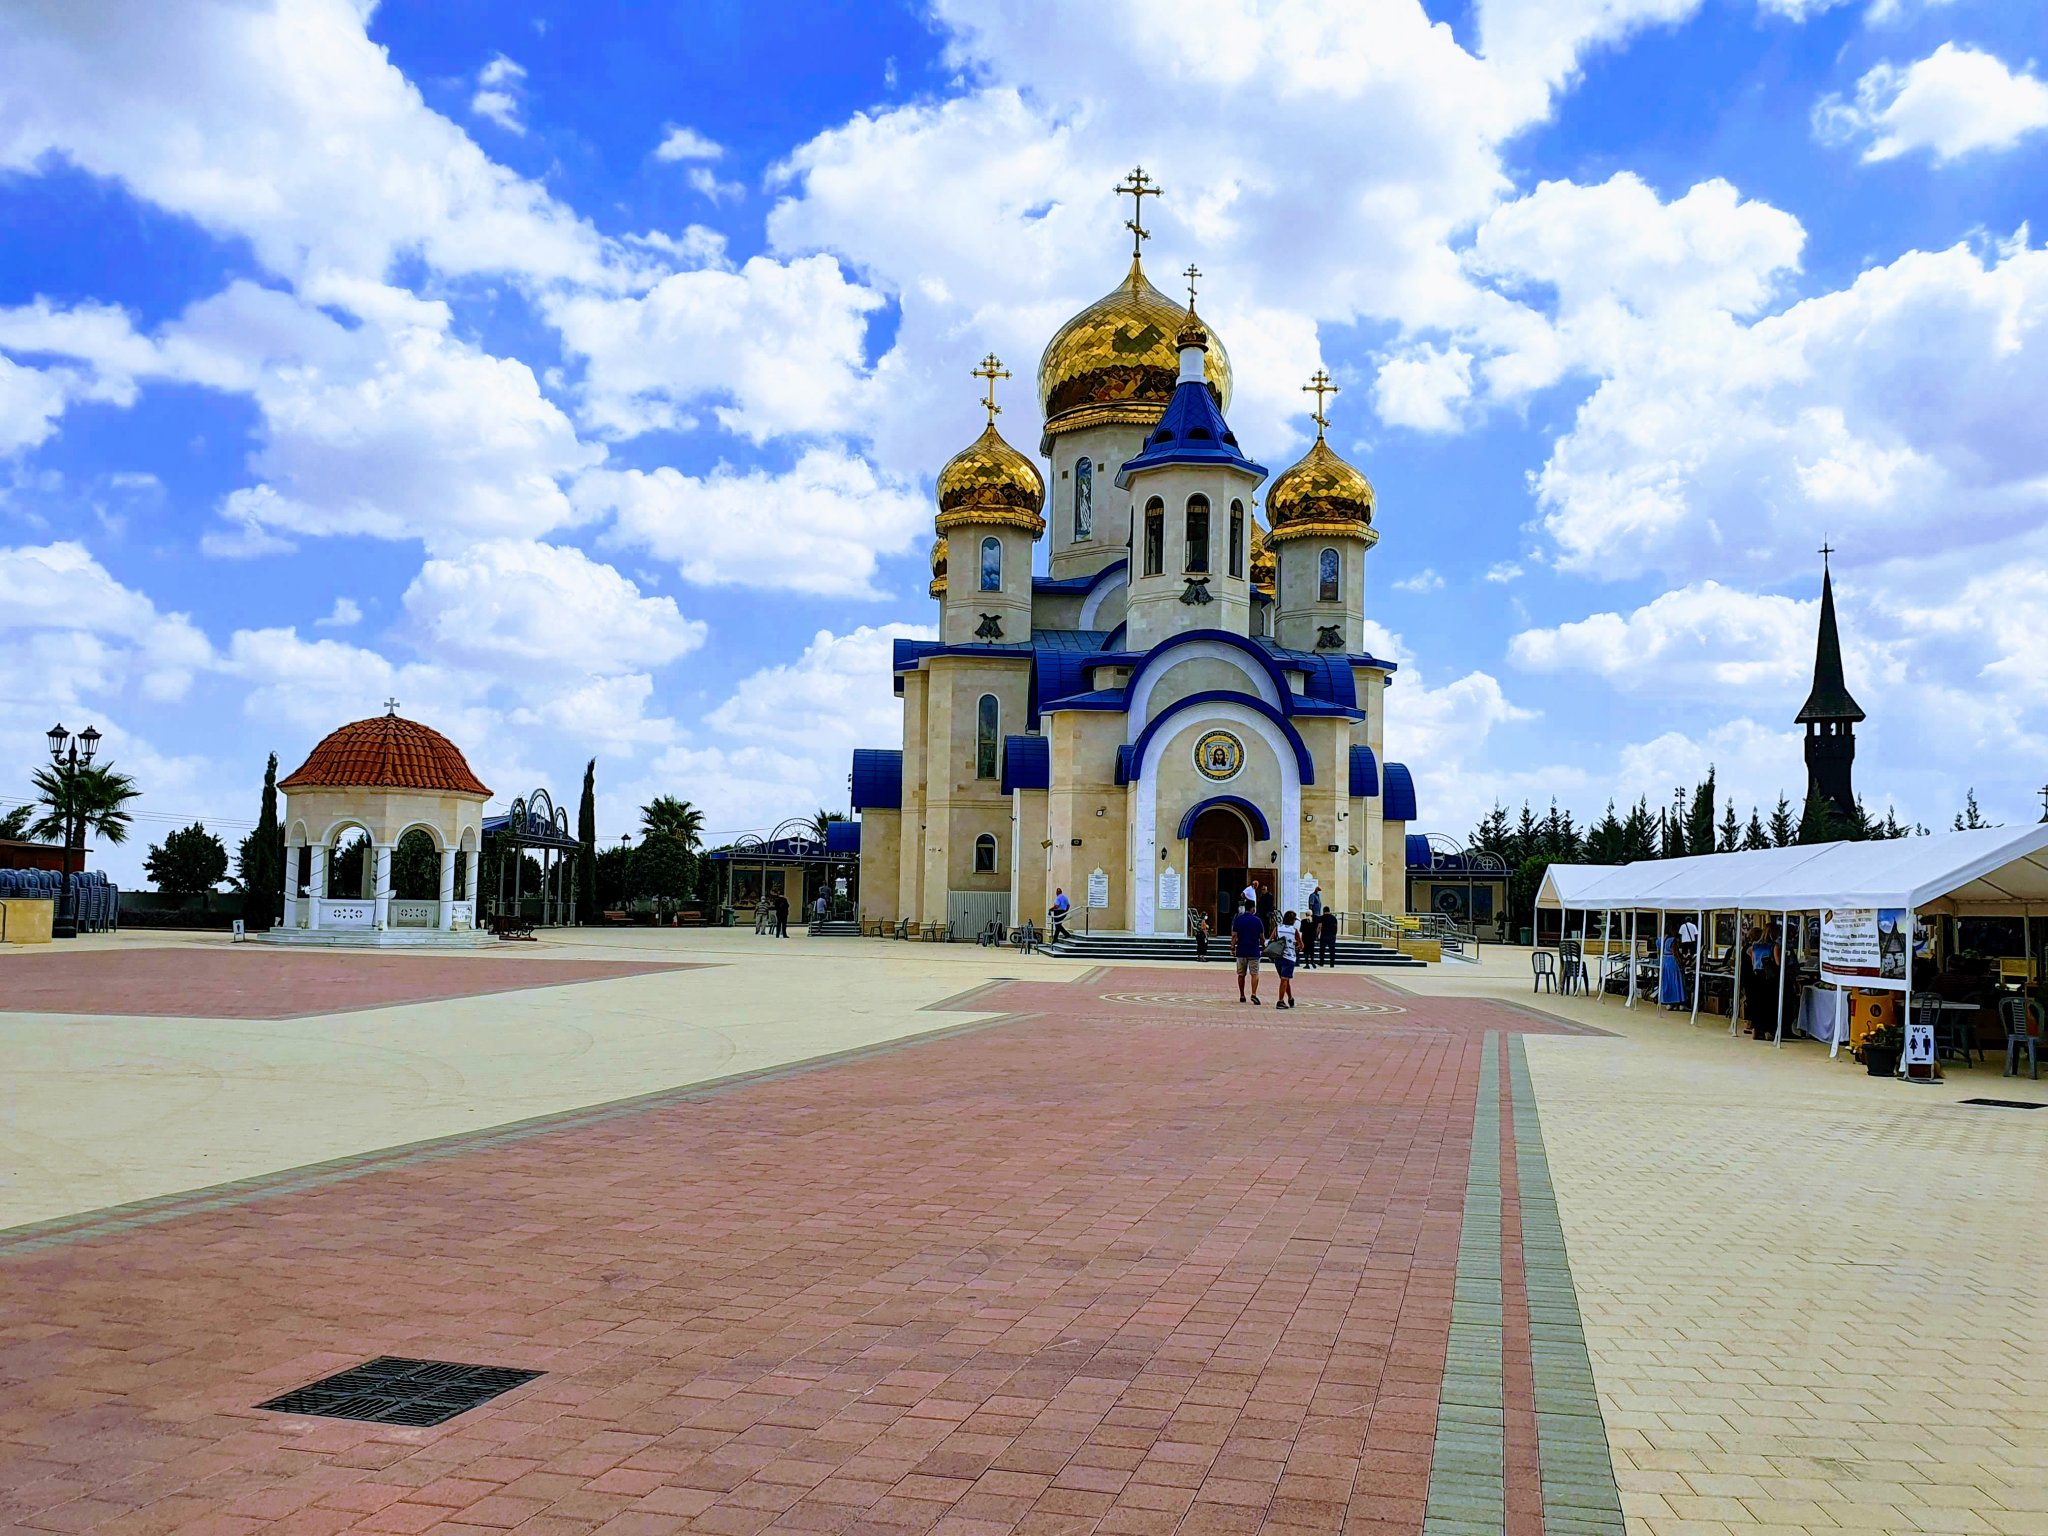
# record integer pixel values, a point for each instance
(386, 752)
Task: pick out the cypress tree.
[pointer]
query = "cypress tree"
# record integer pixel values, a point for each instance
(1699, 821)
(1731, 830)
(264, 888)
(1784, 832)
(1753, 835)
(586, 859)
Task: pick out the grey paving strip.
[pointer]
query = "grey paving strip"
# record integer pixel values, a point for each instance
(1467, 1493)
(80, 1226)
(1579, 1493)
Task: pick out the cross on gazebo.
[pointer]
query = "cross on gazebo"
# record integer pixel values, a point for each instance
(391, 706)
(1191, 273)
(991, 369)
(1138, 186)
(1320, 386)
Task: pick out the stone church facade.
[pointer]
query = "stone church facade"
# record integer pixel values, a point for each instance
(1183, 705)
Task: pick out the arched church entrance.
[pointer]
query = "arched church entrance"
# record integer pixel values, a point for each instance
(1219, 853)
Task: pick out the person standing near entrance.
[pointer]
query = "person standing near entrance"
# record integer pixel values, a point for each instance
(1311, 927)
(1247, 943)
(781, 916)
(1201, 935)
(1058, 913)
(1326, 937)
(1287, 941)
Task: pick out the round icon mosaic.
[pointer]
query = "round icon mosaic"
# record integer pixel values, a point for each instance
(1218, 756)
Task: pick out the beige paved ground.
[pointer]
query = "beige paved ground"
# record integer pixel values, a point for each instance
(1813, 1299)
(102, 1111)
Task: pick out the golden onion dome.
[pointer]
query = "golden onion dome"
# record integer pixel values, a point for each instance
(988, 481)
(938, 586)
(1265, 565)
(1320, 497)
(1117, 361)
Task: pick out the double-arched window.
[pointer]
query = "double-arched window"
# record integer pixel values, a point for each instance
(1084, 500)
(1329, 571)
(985, 854)
(1198, 534)
(1237, 538)
(1155, 536)
(987, 721)
(991, 564)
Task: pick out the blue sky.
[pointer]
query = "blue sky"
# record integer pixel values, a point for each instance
(577, 373)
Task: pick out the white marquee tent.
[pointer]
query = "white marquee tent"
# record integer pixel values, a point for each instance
(1991, 872)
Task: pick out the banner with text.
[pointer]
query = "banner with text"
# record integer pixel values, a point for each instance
(1864, 947)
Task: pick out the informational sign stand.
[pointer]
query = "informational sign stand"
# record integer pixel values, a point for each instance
(241, 931)
(1918, 1064)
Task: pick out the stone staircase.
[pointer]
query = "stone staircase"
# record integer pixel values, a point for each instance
(835, 928)
(1135, 946)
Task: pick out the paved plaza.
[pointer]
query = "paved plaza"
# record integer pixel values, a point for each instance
(857, 1236)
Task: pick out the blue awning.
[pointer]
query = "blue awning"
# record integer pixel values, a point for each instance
(877, 779)
(1365, 774)
(1027, 763)
(1400, 794)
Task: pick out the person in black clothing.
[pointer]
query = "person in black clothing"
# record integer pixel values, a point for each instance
(781, 916)
(1201, 935)
(1326, 937)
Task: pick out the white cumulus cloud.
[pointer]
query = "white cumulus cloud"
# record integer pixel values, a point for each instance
(1957, 101)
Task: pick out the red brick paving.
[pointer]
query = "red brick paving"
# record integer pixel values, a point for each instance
(1110, 1267)
(249, 981)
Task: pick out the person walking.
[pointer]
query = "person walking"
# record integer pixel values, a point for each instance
(1287, 938)
(819, 908)
(1326, 937)
(781, 916)
(1247, 943)
(1058, 913)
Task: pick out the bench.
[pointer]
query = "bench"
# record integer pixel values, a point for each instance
(616, 917)
(507, 925)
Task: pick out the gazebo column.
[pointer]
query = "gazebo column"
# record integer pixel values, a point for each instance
(447, 888)
(316, 885)
(289, 917)
(382, 854)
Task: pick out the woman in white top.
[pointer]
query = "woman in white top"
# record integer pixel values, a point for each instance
(1288, 936)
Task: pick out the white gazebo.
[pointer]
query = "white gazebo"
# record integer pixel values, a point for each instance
(385, 777)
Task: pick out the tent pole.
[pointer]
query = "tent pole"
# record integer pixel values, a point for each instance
(1699, 955)
(1784, 927)
(1735, 997)
(1631, 957)
(1606, 947)
(1906, 1010)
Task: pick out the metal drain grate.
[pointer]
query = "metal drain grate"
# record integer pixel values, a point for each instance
(390, 1390)
(2006, 1103)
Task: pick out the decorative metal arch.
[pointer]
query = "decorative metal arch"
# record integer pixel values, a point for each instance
(535, 821)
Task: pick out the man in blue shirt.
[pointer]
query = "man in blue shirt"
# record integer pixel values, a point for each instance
(1247, 942)
(1060, 907)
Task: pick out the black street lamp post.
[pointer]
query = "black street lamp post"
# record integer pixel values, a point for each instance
(70, 754)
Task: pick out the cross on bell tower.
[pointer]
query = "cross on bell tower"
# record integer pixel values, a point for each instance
(1830, 714)
(991, 369)
(1320, 386)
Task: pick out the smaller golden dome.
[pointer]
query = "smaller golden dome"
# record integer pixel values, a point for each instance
(938, 586)
(987, 482)
(1265, 565)
(1320, 497)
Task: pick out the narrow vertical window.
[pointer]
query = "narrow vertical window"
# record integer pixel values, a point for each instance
(1326, 576)
(986, 721)
(1155, 536)
(985, 854)
(1237, 538)
(991, 565)
(1084, 500)
(1198, 534)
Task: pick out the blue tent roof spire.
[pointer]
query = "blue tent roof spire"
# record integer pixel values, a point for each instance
(1192, 430)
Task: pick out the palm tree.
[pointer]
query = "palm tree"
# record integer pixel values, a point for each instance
(14, 825)
(94, 796)
(666, 816)
(824, 819)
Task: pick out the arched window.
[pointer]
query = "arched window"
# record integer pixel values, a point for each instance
(1198, 534)
(991, 565)
(1084, 500)
(1326, 576)
(985, 854)
(1155, 536)
(986, 723)
(1237, 538)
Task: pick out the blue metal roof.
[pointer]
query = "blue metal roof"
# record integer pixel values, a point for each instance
(1069, 639)
(1126, 763)
(1252, 813)
(842, 837)
(1027, 763)
(909, 652)
(1328, 673)
(1399, 804)
(1418, 850)
(877, 779)
(1365, 774)
(1192, 431)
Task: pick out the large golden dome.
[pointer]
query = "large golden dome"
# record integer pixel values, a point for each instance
(1319, 497)
(938, 586)
(988, 481)
(1116, 360)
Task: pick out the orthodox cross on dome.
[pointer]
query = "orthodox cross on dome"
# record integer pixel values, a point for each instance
(991, 369)
(391, 706)
(1191, 273)
(1319, 386)
(1138, 186)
